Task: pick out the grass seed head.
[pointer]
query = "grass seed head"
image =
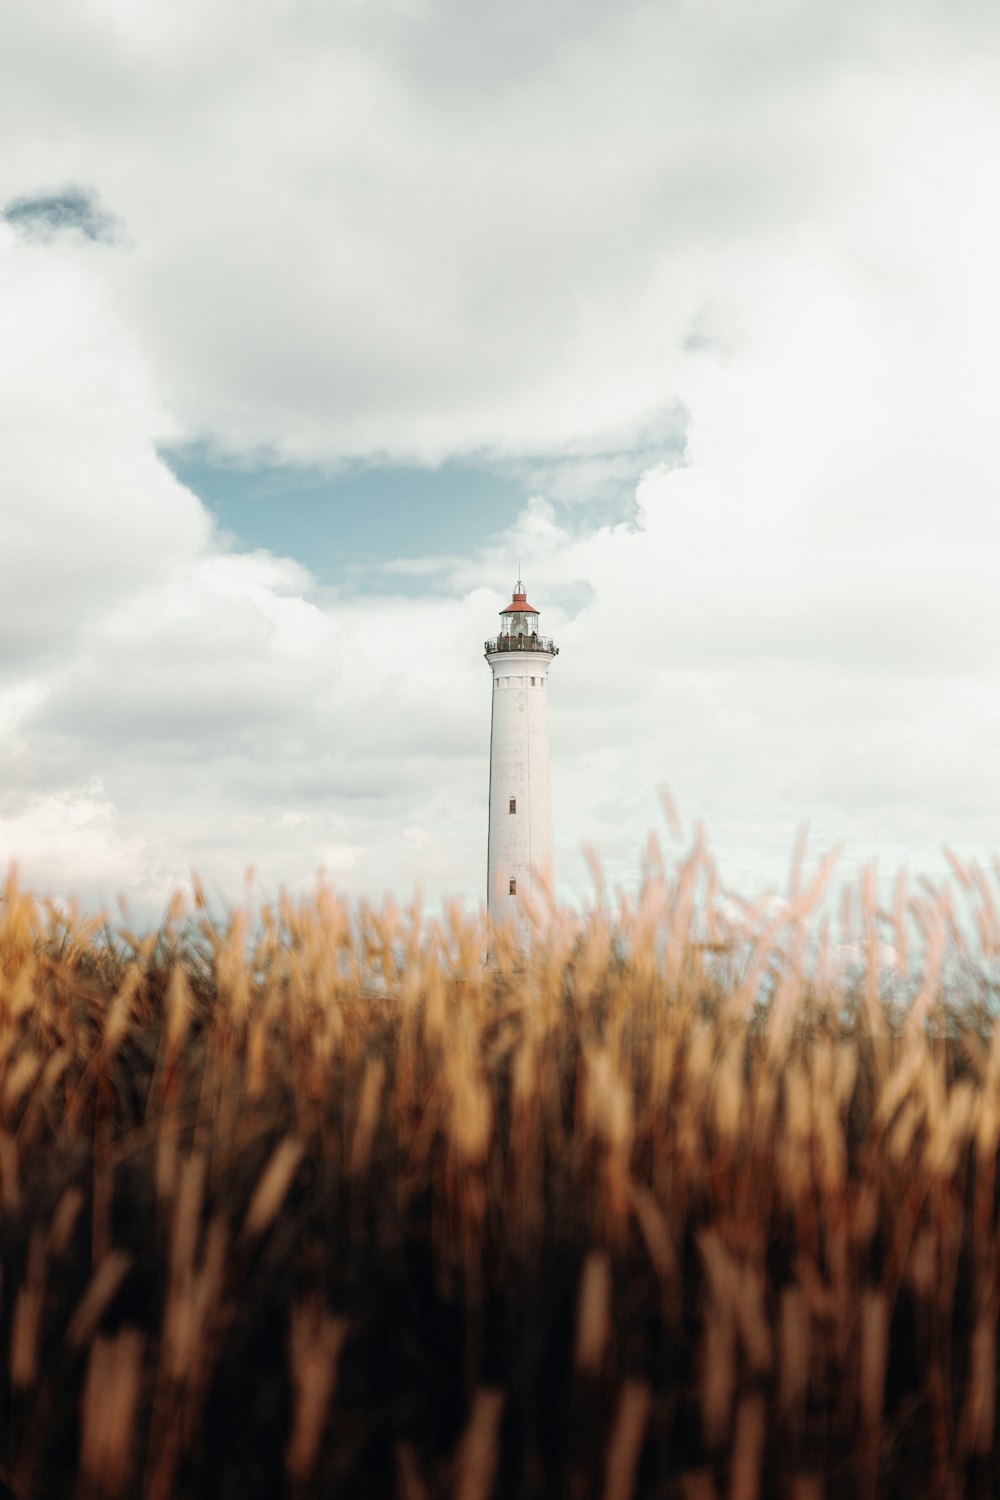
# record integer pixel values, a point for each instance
(111, 1395)
(593, 1318)
(317, 1337)
(275, 1180)
(479, 1448)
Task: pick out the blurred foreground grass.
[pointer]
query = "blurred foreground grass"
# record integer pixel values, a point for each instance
(698, 1201)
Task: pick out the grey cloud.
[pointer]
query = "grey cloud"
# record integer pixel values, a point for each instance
(444, 266)
(473, 47)
(70, 211)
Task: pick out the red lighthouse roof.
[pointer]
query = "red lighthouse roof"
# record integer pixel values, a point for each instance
(519, 604)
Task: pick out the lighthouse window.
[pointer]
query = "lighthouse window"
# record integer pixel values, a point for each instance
(513, 886)
(513, 805)
(532, 682)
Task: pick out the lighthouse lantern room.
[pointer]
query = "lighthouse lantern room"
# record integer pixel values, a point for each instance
(519, 859)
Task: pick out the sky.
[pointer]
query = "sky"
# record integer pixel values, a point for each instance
(319, 321)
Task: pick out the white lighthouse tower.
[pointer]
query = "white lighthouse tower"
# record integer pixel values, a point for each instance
(520, 844)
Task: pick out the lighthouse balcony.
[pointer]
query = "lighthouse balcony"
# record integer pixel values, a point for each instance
(522, 642)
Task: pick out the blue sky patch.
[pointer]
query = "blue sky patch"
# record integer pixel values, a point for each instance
(344, 526)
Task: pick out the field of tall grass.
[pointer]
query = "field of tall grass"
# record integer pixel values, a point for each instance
(698, 1200)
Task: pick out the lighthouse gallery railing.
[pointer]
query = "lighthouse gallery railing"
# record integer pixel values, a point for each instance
(521, 643)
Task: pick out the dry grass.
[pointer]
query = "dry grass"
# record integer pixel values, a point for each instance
(689, 1204)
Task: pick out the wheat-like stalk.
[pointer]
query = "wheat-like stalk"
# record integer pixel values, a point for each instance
(698, 1197)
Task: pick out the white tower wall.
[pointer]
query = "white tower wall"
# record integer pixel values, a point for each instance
(520, 841)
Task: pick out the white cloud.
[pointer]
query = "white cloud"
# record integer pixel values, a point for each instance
(89, 510)
(422, 229)
(386, 232)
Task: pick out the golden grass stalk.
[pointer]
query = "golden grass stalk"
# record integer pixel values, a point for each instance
(275, 1180)
(111, 1394)
(748, 1447)
(479, 1448)
(28, 1315)
(317, 1337)
(593, 1320)
(626, 1440)
(765, 1156)
(101, 1289)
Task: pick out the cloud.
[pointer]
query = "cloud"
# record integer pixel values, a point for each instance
(434, 231)
(600, 472)
(170, 704)
(71, 211)
(579, 246)
(89, 512)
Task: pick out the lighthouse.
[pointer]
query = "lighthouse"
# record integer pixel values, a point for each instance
(519, 857)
